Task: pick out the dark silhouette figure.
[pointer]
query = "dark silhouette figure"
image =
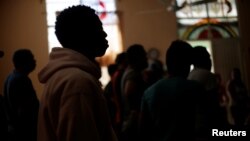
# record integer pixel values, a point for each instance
(202, 74)
(121, 62)
(224, 98)
(133, 86)
(3, 118)
(110, 96)
(73, 106)
(171, 107)
(154, 72)
(238, 93)
(20, 98)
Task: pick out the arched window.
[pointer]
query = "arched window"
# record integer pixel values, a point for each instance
(206, 19)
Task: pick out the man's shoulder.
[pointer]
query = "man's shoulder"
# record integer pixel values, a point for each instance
(74, 76)
(200, 73)
(18, 79)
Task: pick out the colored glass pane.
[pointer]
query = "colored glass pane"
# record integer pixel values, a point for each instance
(205, 19)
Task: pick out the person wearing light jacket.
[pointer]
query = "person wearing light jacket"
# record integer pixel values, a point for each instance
(72, 106)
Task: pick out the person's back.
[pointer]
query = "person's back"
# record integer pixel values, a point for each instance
(172, 107)
(20, 98)
(203, 75)
(73, 106)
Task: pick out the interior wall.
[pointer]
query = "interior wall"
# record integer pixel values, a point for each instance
(23, 25)
(147, 22)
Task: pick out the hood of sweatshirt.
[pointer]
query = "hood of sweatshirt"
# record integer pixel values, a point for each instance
(61, 58)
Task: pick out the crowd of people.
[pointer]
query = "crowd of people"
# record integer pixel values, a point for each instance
(143, 101)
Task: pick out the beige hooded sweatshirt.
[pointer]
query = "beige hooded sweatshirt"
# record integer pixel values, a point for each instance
(72, 106)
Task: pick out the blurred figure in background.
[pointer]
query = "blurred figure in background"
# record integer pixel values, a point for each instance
(3, 117)
(121, 61)
(20, 98)
(133, 86)
(109, 95)
(170, 107)
(203, 75)
(238, 93)
(155, 70)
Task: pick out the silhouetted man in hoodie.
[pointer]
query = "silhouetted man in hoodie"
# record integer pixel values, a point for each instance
(73, 107)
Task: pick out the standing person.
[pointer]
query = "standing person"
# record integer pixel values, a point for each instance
(202, 69)
(110, 96)
(73, 107)
(121, 62)
(20, 98)
(168, 111)
(238, 93)
(3, 119)
(203, 75)
(133, 86)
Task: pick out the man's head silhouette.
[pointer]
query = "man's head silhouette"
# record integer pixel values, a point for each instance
(79, 28)
(137, 56)
(179, 58)
(201, 58)
(24, 61)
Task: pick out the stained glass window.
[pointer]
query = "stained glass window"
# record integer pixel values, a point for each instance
(206, 19)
